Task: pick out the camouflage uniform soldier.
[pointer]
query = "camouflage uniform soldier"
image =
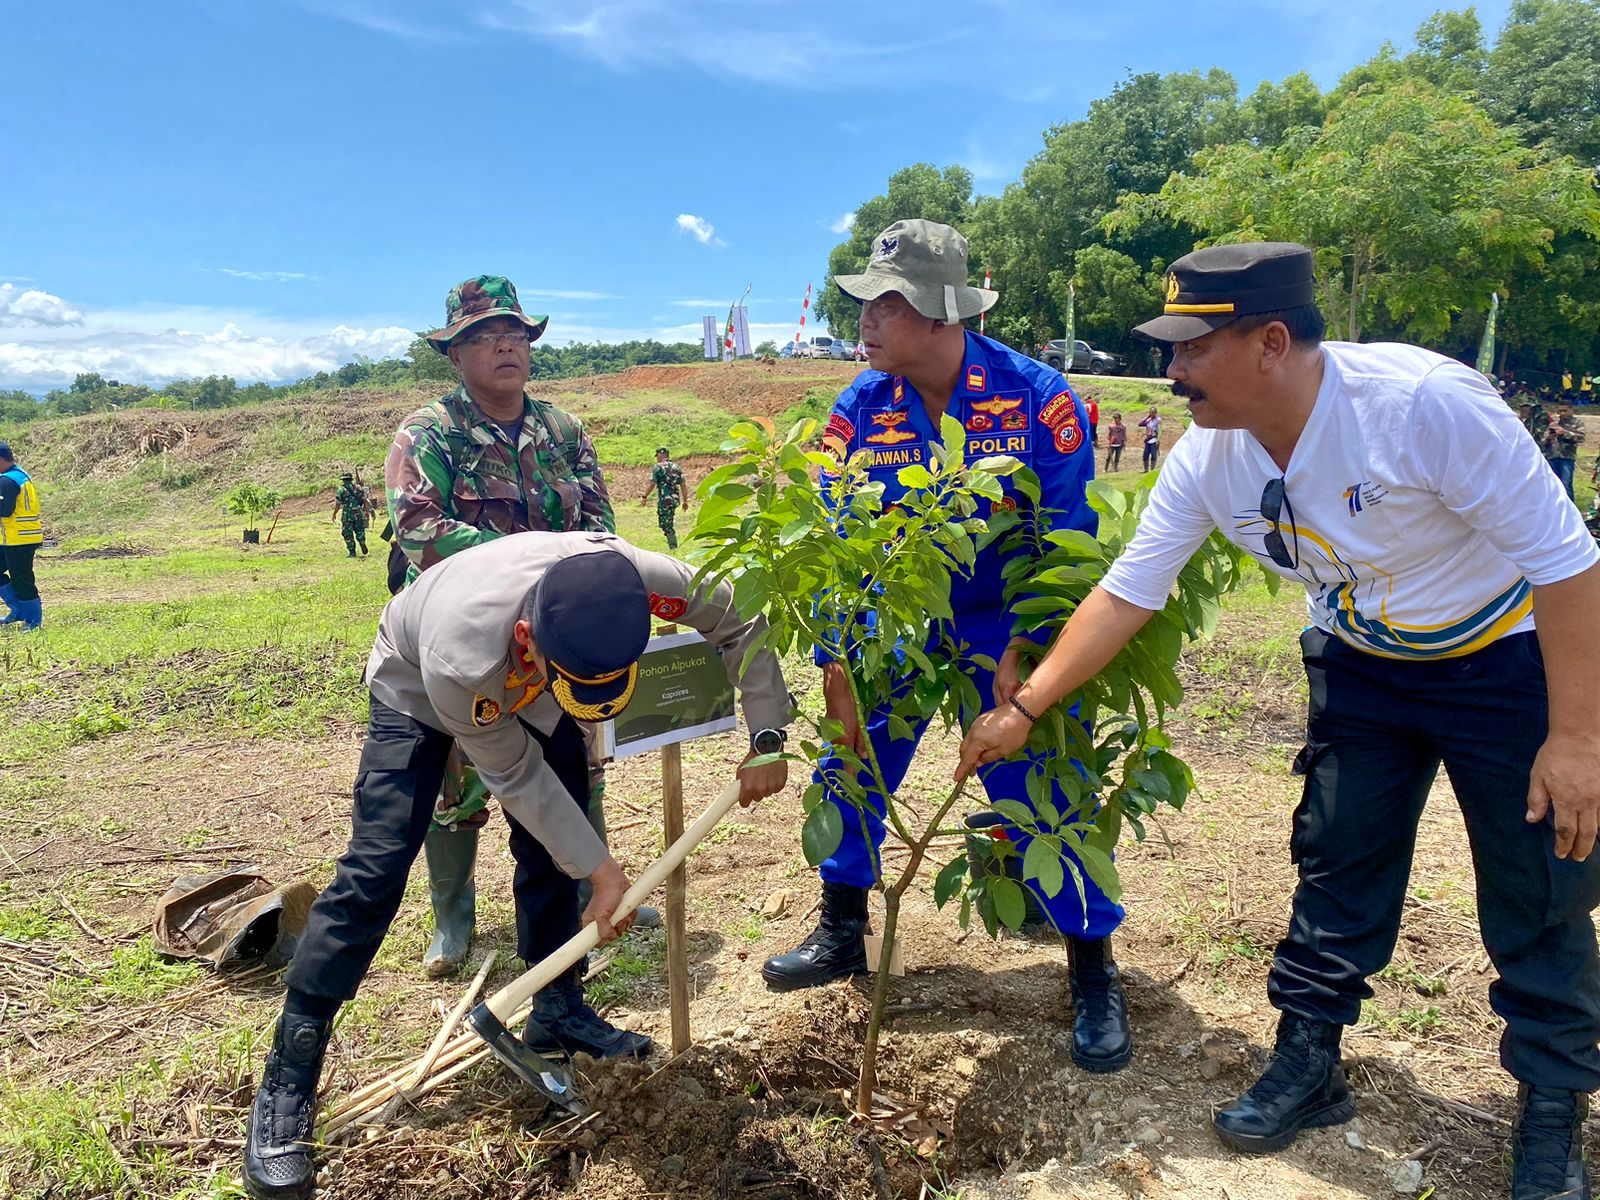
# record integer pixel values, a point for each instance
(484, 461)
(350, 506)
(666, 481)
(1561, 446)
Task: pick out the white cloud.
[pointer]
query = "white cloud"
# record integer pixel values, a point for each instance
(702, 230)
(844, 224)
(265, 276)
(154, 346)
(763, 41)
(33, 307)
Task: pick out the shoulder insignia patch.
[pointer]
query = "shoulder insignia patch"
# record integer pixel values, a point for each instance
(977, 379)
(1069, 436)
(668, 608)
(1057, 410)
(485, 711)
(839, 427)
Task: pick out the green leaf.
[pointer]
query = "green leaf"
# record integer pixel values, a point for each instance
(1015, 811)
(1101, 869)
(949, 879)
(914, 476)
(1010, 906)
(821, 834)
(1042, 861)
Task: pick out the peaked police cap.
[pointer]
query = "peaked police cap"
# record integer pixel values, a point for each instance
(1213, 287)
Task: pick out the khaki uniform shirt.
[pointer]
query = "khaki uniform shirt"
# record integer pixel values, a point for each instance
(444, 657)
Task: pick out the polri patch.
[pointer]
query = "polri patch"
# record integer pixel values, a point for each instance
(839, 427)
(668, 608)
(484, 711)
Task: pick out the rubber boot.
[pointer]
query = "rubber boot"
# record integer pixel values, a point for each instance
(451, 855)
(30, 613)
(1547, 1145)
(1303, 1087)
(1101, 1039)
(563, 1023)
(8, 597)
(834, 948)
(277, 1147)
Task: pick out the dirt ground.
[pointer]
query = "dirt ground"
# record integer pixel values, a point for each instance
(983, 1101)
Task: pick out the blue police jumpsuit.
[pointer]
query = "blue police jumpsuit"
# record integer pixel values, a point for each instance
(1008, 404)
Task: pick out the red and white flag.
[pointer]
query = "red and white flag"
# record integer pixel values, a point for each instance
(804, 306)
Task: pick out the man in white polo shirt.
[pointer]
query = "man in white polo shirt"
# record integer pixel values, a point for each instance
(1405, 496)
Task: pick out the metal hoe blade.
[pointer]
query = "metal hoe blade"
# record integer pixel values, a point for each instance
(555, 1082)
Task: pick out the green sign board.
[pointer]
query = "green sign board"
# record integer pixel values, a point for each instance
(683, 693)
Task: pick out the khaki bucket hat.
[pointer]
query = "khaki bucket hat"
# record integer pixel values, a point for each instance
(925, 262)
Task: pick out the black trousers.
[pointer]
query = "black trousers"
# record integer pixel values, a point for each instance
(397, 782)
(16, 568)
(1378, 730)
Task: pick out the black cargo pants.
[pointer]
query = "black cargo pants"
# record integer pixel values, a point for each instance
(401, 767)
(1377, 732)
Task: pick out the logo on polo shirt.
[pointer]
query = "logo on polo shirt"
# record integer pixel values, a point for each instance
(1363, 495)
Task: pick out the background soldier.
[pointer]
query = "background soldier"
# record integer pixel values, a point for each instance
(1561, 446)
(350, 507)
(485, 461)
(666, 481)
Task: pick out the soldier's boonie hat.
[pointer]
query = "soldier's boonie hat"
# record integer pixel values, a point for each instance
(478, 299)
(590, 617)
(348, 476)
(663, 450)
(1216, 286)
(925, 262)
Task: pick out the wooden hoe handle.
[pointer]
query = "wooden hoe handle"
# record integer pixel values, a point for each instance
(515, 994)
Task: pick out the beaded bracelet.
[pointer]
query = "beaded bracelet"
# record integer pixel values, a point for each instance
(1017, 704)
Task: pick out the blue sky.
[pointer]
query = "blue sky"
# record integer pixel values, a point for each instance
(266, 188)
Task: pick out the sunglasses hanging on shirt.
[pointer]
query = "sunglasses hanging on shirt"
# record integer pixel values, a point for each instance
(1274, 502)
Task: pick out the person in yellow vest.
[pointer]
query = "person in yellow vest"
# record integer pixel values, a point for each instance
(21, 533)
(1566, 381)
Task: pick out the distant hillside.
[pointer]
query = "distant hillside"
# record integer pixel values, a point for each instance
(105, 474)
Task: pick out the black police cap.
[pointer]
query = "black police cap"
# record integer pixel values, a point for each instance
(591, 620)
(1210, 288)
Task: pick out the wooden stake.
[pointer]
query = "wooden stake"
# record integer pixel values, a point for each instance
(677, 893)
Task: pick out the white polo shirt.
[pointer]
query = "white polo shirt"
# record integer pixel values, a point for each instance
(1422, 509)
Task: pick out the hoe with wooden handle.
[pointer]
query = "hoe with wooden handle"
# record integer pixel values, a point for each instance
(488, 1019)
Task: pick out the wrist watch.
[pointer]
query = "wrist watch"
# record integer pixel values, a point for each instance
(768, 741)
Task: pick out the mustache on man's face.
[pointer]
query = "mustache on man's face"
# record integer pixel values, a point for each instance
(1184, 391)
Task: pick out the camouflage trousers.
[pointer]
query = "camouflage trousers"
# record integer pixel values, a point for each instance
(354, 530)
(463, 800)
(664, 516)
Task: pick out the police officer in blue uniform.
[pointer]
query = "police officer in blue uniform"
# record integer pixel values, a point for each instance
(927, 365)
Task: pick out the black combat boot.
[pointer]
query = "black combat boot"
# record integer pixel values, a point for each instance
(563, 1023)
(835, 947)
(277, 1148)
(1547, 1145)
(1101, 1040)
(1303, 1087)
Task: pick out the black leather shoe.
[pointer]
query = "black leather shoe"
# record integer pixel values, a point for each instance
(563, 1023)
(1101, 1039)
(277, 1147)
(834, 948)
(1303, 1087)
(1547, 1145)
